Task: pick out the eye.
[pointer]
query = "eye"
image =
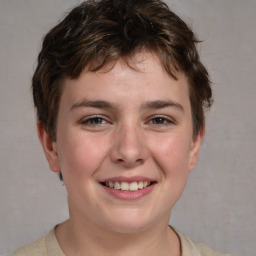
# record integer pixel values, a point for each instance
(94, 121)
(160, 120)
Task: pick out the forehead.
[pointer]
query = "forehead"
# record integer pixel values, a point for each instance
(147, 63)
(141, 79)
(143, 63)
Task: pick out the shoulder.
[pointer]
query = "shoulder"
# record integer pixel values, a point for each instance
(191, 248)
(207, 251)
(37, 248)
(45, 246)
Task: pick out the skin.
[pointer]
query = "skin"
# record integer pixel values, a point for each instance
(144, 128)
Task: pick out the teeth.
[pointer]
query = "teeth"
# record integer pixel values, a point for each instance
(117, 185)
(125, 186)
(140, 184)
(134, 186)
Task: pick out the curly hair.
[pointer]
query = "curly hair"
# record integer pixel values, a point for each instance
(96, 33)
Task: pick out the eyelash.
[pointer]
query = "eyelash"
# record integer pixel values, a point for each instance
(165, 120)
(88, 121)
(157, 120)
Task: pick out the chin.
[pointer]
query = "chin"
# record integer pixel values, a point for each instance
(128, 228)
(130, 222)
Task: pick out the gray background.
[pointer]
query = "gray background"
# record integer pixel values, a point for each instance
(218, 205)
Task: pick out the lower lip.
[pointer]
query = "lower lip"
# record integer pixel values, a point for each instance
(129, 195)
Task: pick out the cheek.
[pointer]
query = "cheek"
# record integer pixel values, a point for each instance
(81, 156)
(172, 155)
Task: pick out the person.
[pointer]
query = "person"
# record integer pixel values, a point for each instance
(120, 94)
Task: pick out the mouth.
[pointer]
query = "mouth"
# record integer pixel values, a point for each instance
(128, 186)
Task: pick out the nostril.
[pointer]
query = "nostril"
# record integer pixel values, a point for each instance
(122, 161)
(140, 161)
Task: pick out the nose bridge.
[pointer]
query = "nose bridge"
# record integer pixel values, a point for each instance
(129, 147)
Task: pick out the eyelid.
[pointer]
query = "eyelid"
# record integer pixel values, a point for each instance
(90, 117)
(169, 119)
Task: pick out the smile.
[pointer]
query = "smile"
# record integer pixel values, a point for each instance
(127, 186)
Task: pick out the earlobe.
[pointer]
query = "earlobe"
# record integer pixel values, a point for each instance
(195, 147)
(50, 148)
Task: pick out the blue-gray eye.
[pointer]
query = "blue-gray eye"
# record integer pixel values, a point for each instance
(160, 120)
(97, 120)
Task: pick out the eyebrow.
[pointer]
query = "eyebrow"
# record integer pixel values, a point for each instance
(158, 104)
(102, 104)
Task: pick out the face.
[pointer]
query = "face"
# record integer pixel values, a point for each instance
(124, 144)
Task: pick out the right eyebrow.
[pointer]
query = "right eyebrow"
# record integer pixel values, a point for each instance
(101, 104)
(158, 104)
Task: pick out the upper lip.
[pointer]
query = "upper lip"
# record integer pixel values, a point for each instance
(128, 179)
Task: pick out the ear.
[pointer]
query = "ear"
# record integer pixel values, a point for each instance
(49, 147)
(195, 147)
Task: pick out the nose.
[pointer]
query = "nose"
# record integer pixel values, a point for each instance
(129, 147)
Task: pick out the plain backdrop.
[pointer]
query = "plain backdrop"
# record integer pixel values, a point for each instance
(219, 203)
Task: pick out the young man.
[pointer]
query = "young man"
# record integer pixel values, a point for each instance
(120, 94)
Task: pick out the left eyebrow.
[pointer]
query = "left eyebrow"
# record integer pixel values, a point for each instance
(101, 104)
(158, 104)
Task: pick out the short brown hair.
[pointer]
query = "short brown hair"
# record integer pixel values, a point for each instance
(98, 32)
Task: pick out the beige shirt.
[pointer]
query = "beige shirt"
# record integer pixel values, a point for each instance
(48, 246)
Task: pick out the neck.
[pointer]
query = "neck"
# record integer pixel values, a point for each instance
(76, 238)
